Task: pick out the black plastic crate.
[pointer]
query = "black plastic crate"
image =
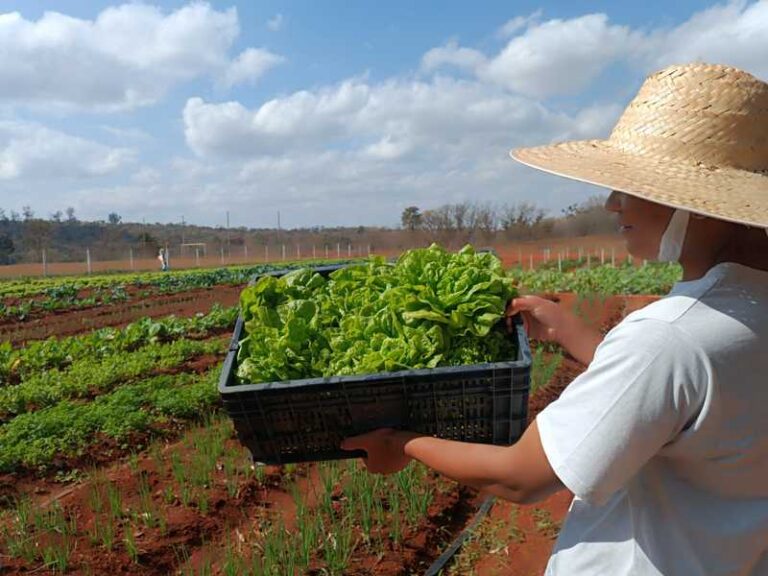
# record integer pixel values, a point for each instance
(306, 420)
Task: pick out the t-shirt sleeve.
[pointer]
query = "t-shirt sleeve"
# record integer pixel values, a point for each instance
(645, 384)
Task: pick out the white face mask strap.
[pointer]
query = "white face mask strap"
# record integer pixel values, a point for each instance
(671, 245)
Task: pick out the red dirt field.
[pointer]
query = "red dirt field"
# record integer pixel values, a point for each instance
(232, 511)
(68, 322)
(510, 253)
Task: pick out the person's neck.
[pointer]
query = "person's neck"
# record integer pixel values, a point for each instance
(753, 255)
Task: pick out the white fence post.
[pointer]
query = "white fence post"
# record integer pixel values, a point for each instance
(349, 250)
(245, 252)
(298, 252)
(130, 256)
(88, 259)
(314, 254)
(338, 249)
(602, 256)
(283, 251)
(326, 251)
(266, 253)
(45, 264)
(613, 256)
(559, 262)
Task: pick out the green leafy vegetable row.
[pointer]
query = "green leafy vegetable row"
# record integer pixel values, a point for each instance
(16, 365)
(652, 278)
(36, 439)
(87, 378)
(431, 308)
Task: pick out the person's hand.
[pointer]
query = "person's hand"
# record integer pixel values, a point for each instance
(385, 449)
(543, 319)
(551, 322)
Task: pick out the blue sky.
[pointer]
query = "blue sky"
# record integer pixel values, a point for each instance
(334, 113)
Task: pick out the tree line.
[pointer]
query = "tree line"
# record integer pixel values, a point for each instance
(64, 237)
(468, 221)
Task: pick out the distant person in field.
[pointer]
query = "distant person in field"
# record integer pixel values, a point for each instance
(663, 440)
(163, 257)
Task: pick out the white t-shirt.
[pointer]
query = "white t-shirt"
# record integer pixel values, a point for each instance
(664, 439)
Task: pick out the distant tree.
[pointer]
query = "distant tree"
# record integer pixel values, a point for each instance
(56, 216)
(27, 213)
(37, 234)
(411, 218)
(114, 218)
(70, 212)
(6, 248)
(3, 217)
(14, 216)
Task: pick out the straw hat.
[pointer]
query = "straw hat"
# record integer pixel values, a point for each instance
(695, 137)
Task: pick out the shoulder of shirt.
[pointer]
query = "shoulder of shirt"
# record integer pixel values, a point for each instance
(683, 297)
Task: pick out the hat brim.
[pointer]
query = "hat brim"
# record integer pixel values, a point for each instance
(725, 193)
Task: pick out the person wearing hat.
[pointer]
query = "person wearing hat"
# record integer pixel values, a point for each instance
(663, 440)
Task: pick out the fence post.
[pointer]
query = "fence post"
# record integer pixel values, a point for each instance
(589, 259)
(45, 264)
(602, 256)
(349, 250)
(222, 255)
(314, 254)
(266, 252)
(559, 262)
(88, 259)
(197, 256)
(298, 252)
(369, 249)
(338, 249)
(530, 259)
(130, 256)
(245, 251)
(613, 256)
(283, 251)
(326, 251)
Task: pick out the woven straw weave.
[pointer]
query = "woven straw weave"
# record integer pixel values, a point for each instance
(695, 137)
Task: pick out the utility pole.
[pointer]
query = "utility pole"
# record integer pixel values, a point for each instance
(278, 227)
(227, 233)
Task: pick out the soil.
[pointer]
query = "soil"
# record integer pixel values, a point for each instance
(204, 534)
(67, 323)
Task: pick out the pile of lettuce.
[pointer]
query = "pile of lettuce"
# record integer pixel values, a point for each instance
(431, 308)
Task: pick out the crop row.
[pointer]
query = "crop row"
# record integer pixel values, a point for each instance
(86, 378)
(651, 278)
(162, 282)
(66, 430)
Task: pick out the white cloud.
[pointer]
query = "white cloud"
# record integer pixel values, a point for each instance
(250, 65)
(563, 57)
(275, 23)
(452, 55)
(129, 56)
(559, 57)
(511, 27)
(33, 152)
(735, 34)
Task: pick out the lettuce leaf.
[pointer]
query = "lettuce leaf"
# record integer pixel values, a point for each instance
(431, 308)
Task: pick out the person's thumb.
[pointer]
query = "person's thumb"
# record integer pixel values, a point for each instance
(522, 304)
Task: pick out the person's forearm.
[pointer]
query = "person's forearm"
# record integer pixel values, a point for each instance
(482, 466)
(580, 340)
